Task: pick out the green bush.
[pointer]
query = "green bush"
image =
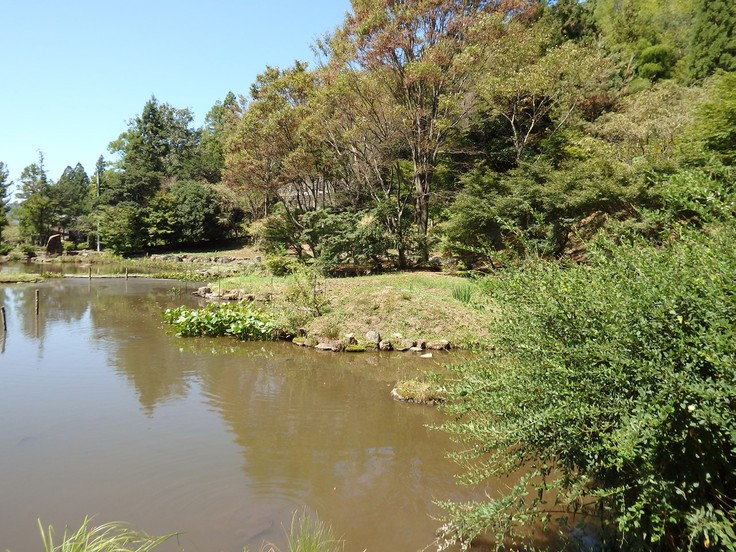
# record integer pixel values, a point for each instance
(5, 249)
(613, 387)
(26, 250)
(280, 264)
(69, 246)
(237, 320)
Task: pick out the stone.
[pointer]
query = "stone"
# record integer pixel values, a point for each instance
(332, 345)
(439, 345)
(404, 345)
(385, 345)
(373, 337)
(426, 355)
(416, 349)
(204, 291)
(350, 339)
(421, 343)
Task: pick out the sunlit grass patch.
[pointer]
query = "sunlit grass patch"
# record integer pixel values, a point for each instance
(13, 278)
(420, 392)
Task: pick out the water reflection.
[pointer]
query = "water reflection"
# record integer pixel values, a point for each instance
(106, 412)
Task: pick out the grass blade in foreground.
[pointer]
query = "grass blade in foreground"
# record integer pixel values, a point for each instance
(108, 537)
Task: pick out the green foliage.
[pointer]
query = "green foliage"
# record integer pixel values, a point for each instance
(657, 62)
(4, 187)
(121, 227)
(715, 118)
(157, 145)
(201, 215)
(698, 195)
(280, 264)
(612, 386)
(277, 232)
(345, 238)
(107, 537)
(36, 213)
(533, 208)
(241, 320)
(713, 43)
(70, 195)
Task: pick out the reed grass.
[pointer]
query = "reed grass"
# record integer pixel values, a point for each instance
(307, 534)
(108, 537)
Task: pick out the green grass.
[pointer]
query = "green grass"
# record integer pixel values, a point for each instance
(14, 278)
(420, 392)
(307, 534)
(418, 305)
(108, 537)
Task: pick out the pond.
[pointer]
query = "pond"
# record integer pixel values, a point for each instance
(105, 412)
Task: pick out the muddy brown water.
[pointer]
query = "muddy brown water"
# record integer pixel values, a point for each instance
(104, 412)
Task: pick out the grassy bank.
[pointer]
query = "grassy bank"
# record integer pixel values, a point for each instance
(417, 305)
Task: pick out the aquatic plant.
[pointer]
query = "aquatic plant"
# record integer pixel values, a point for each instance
(239, 320)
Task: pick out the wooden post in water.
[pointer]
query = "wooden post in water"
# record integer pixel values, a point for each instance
(38, 302)
(126, 272)
(90, 273)
(5, 322)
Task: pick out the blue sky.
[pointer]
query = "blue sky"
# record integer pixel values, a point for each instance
(74, 72)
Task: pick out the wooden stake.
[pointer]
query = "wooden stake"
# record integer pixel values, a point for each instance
(5, 322)
(38, 301)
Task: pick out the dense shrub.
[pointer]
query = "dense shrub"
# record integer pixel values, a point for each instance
(613, 385)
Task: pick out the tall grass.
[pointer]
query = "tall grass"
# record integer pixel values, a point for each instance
(463, 292)
(308, 534)
(108, 537)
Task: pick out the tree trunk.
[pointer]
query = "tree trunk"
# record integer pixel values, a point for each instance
(423, 172)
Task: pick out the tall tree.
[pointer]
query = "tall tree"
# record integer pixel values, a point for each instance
(534, 85)
(36, 212)
(713, 43)
(157, 145)
(4, 188)
(209, 160)
(360, 128)
(70, 195)
(267, 151)
(413, 48)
